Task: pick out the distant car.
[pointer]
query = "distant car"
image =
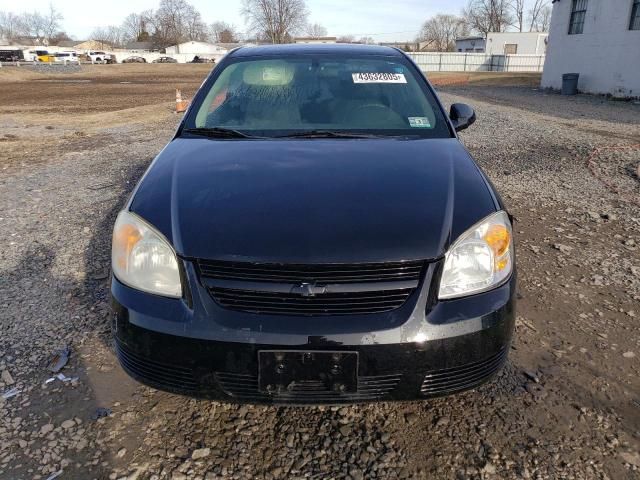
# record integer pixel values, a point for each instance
(134, 60)
(41, 56)
(99, 57)
(11, 55)
(165, 60)
(66, 57)
(198, 59)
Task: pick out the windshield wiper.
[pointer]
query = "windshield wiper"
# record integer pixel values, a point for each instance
(331, 134)
(218, 132)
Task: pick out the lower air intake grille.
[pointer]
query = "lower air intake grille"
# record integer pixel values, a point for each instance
(442, 382)
(163, 376)
(245, 387)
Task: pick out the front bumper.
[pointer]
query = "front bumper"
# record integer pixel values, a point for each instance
(424, 349)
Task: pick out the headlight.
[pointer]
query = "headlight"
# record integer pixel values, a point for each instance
(481, 259)
(142, 258)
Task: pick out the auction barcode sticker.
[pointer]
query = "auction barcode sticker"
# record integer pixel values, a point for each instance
(378, 77)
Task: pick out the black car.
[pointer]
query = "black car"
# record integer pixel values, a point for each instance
(315, 232)
(134, 59)
(165, 60)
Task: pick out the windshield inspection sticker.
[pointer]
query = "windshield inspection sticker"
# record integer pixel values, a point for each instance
(378, 77)
(419, 122)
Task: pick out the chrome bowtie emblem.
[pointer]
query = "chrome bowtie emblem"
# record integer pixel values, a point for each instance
(307, 290)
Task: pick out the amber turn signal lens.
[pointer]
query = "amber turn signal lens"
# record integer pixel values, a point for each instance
(498, 238)
(125, 238)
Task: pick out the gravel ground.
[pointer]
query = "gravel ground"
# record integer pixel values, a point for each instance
(566, 406)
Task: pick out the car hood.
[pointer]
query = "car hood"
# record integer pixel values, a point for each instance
(313, 200)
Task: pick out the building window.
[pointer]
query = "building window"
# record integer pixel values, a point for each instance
(635, 16)
(578, 12)
(510, 48)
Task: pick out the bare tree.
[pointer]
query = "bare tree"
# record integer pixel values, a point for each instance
(51, 22)
(539, 16)
(518, 8)
(136, 26)
(111, 36)
(176, 21)
(277, 20)
(441, 32)
(346, 39)
(545, 19)
(484, 16)
(33, 24)
(315, 30)
(195, 28)
(58, 37)
(222, 32)
(42, 26)
(11, 25)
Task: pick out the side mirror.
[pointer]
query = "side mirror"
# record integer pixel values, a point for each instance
(462, 116)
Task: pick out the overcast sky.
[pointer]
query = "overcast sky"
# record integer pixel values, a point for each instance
(384, 20)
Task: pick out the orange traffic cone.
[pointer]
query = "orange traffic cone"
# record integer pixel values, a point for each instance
(181, 105)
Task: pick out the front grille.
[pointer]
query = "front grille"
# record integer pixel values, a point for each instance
(324, 304)
(450, 380)
(319, 273)
(245, 387)
(310, 290)
(161, 375)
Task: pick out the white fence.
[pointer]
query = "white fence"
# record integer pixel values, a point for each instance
(476, 62)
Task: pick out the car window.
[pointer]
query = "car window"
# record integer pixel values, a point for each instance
(273, 97)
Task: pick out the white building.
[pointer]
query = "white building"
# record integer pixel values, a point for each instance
(598, 39)
(470, 44)
(520, 43)
(315, 40)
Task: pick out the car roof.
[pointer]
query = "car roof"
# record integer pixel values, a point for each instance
(345, 49)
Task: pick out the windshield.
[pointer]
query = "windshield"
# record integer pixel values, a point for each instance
(295, 94)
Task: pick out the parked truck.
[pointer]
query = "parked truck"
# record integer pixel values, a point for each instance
(99, 56)
(11, 55)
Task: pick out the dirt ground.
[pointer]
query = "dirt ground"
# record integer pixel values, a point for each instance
(567, 405)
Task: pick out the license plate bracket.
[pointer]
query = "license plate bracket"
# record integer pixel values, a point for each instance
(282, 371)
